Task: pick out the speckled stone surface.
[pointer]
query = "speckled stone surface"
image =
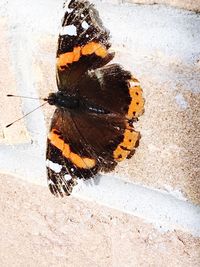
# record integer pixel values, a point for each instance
(40, 230)
(193, 5)
(10, 109)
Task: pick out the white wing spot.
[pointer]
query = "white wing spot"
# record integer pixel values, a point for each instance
(82, 15)
(85, 25)
(67, 177)
(69, 10)
(132, 83)
(69, 30)
(50, 182)
(53, 166)
(87, 35)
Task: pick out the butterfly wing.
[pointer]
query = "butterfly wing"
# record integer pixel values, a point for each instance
(82, 45)
(81, 58)
(114, 89)
(59, 178)
(68, 156)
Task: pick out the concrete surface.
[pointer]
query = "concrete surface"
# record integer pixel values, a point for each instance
(19, 132)
(38, 230)
(193, 5)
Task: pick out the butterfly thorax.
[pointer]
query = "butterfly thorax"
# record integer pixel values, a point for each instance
(73, 102)
(62, 100)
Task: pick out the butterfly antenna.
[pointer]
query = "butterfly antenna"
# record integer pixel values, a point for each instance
(20, 96)
(25, 115)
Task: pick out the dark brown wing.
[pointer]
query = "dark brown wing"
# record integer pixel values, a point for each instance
(82, 45)
(68, 156)
(114, 89)
(110, 138)
(81, 145)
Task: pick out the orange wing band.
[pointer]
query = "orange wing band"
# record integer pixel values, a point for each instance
(74, 56)
(80, 162)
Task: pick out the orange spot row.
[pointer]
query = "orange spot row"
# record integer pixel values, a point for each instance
(74, 56)
(129, 141)
(137, 102)
(80, 162)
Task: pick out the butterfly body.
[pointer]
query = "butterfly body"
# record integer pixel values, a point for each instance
(96, 103)
(74, 103)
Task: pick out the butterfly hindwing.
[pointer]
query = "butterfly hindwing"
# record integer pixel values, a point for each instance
(68, 156)
(81, 145)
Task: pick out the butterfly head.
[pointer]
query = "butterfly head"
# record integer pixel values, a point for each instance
(52, 99)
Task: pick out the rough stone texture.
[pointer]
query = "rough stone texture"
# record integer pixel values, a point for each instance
(193, 5)
(10, 109)
(40, 230)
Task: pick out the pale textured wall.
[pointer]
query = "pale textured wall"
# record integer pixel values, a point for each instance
(158, 187)
(193, 5)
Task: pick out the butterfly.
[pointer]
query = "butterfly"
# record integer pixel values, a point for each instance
(96, 103)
